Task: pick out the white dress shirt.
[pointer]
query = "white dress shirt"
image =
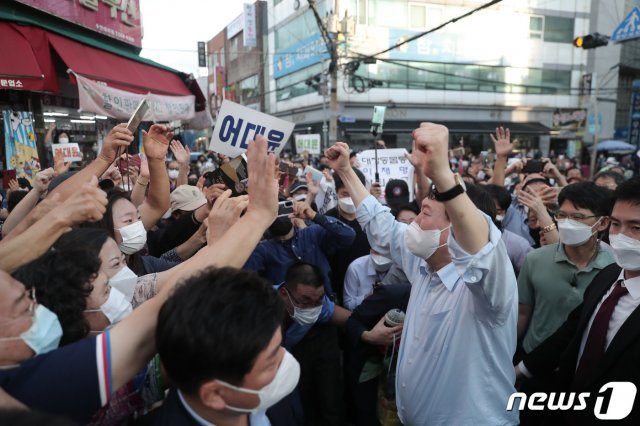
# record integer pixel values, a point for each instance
(626, 305)
(459, 335)
(359, 281)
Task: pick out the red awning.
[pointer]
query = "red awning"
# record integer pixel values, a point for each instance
(116, 71)
(25, 61)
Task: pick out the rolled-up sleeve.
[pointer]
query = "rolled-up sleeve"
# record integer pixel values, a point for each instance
(385, 234)
(488, 274)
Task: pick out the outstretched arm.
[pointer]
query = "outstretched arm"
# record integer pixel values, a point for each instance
(133, 339)
(119, 137)
(156, 145)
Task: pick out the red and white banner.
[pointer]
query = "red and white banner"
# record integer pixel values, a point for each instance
(116, 103)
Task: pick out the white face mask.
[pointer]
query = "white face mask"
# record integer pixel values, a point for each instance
(63, 140)
(626, 251)
(282, 385)
(346, 205)
(125, 282)
(499, 217)
(134, 237)
(300, 197)
(307, 316)
(44, 334)
(381, 263)
(173, 174)
(116, 308)
(423, 243)
(574, 233)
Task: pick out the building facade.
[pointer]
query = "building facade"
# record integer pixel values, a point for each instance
(513, 65)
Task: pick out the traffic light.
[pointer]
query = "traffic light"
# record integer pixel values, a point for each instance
(591, 41)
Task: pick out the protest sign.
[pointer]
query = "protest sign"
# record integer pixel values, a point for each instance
(310, 142)
(70, 151)
(236, 125)
(392, 164)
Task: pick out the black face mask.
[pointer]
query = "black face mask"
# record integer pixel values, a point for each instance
(281, 227)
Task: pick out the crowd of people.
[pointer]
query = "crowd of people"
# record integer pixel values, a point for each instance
(136, 290)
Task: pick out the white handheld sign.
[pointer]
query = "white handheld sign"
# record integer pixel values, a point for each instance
(70, 151)
(236, 125)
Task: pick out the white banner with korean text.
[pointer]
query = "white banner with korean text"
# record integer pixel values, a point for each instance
(116, 103)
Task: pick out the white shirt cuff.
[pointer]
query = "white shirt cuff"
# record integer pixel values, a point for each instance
(524, 370)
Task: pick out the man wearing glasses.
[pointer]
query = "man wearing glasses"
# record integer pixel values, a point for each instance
(309, 333)
(554, 277)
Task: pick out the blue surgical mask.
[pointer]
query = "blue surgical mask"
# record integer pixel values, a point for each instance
(44, 334)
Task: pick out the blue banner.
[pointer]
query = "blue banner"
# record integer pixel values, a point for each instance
(20, 144)
(301, 55)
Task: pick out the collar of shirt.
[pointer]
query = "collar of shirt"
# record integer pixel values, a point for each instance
(371, 271)
(192, 413)
(448, 274)
(600, 262)
(632, 284)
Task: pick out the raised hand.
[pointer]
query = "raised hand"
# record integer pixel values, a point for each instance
(431, 142)
(59, 165)
(88, 204)
(531, 199)
(376, 190)
(156, 142)
(214, 191)
(224, 213)
(42, 180)
(180, 153)
(312, 186)
(144, 167)
(338, 156)
(302, 210)
(13, 185)
(117, 138)
(502, 141)
(416, 157)
(263, 186)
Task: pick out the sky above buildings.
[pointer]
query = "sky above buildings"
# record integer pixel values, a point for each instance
(173, 28)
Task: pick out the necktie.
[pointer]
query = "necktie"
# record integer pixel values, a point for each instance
(597, 340)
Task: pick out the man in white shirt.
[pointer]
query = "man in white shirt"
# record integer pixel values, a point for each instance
(459, 335)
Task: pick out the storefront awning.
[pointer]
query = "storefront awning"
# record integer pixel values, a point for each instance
(22, 60)
(117, 71)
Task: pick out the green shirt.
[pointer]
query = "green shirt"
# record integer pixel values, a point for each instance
(545, 282)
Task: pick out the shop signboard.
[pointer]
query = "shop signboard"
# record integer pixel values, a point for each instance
(120, 104)
(119, 19)
(303, 54)
(250, 35)
(20, 144)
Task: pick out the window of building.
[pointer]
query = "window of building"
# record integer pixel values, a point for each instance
(233, 48)
(294, 84)
(417, 16)
(558, 30)
(536, 27)
(388, 13)
(248, 89)
(363, 11)
(299, 28)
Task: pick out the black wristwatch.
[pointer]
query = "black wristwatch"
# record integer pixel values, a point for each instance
(452, 193)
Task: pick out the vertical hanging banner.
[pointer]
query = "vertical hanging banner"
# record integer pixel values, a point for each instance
(20, 144)
(250, 33)
(236, 125)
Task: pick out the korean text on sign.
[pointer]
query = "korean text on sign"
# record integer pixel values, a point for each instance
(237, 125)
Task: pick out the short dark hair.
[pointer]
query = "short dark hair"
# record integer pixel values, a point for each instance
(482, 200)
(215, 325)
(340, 183)
(406, 206)
(303, 273)
(617, 177)
(588, 195)
(629, 192)
(62, 280)
(500, 194)
(89, 240)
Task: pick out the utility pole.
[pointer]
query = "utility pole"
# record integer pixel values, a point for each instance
(330, 38)
(333, 70)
